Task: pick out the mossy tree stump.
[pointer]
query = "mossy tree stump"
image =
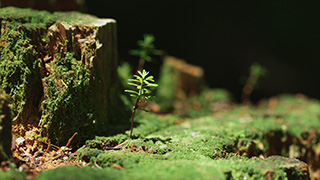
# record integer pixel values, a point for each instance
(5, 127)
(60, 71)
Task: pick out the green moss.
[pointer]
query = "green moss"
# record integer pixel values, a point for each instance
(101, 141)
(179, 169)
(149, 166)
(74, 17)
(149, 123)
(66, 96)
(75, 173)
(19, 71)
(13, 174)
(209, 147)
(26, 17)
(5, 127)
(207, 102)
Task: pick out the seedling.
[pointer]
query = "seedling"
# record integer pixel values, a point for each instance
(256, 72)
(142, 83)
(147, 49)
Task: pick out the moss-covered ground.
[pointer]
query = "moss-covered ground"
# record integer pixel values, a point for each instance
(238, 142)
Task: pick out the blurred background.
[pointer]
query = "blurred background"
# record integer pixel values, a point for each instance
(223, 37)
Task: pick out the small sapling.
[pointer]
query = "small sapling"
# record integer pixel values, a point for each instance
(145, 51)
(142, 91)
(256, 72)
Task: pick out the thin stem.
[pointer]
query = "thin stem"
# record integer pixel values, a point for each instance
(140, 64)
(136, 105)
(247, 89)
(132, 116)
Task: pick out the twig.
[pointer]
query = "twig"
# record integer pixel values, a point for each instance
(95, 163)
(70, 140)
(118, 147)
(27, 154)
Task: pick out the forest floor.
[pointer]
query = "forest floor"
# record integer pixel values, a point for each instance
(214, 139)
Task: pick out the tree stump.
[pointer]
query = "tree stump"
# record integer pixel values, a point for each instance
(60, 71)
(178, 81)
(5, 127)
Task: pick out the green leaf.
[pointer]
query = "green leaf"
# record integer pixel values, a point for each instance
(139, 87)
(142, 82)
(137, 77)
(133, 84)
(147, 91)
(131, 91)
(149, 78)
(151, 85)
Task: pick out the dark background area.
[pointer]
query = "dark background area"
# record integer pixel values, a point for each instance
(224, 37)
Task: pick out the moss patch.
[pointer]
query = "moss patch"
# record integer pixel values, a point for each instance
(75, 173)
(136, 166)
(13, 174)
(226, 144)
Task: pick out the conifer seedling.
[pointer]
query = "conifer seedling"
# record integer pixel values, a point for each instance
(142, 84)
(256, 72)
(145, 51)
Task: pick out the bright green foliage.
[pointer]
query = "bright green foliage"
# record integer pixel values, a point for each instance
(147, 48)
(142, 92)
(142, 82)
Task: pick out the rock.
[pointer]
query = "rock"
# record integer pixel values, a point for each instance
(60, 73)
(5, 127)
